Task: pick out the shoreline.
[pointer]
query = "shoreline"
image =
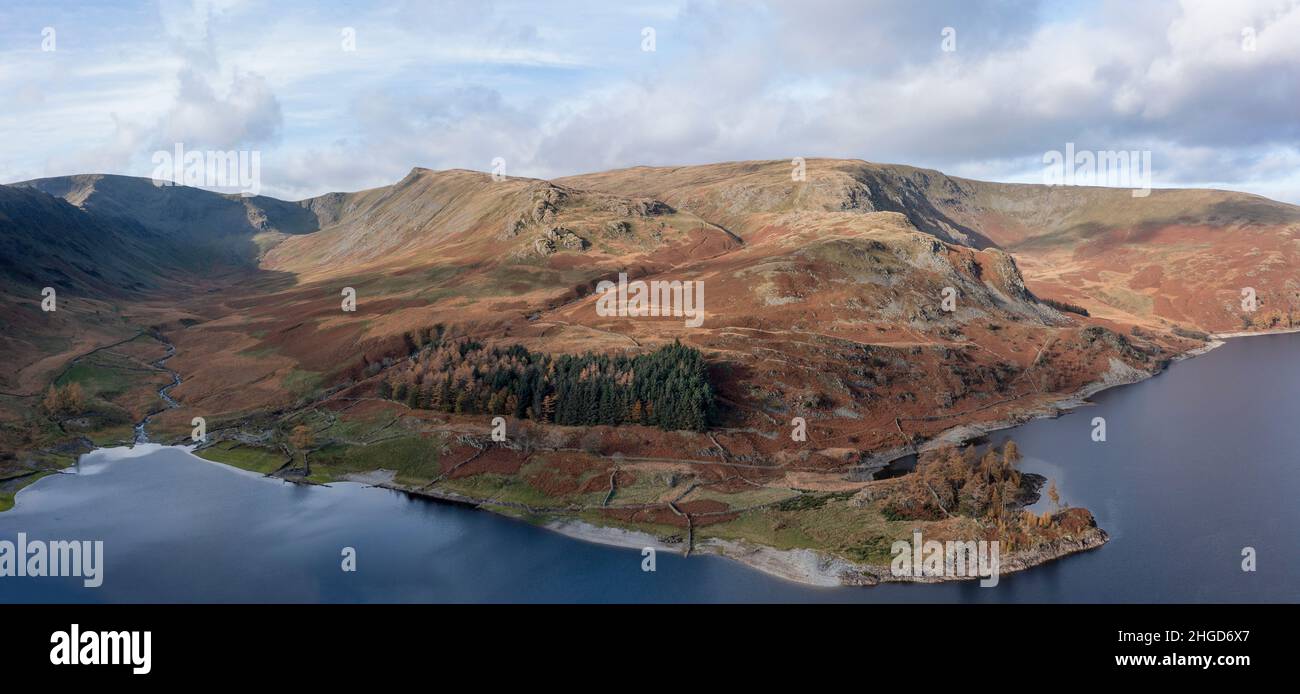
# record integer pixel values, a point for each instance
(1252, 333)
(812, 567)
(815, 567)
(963, 434)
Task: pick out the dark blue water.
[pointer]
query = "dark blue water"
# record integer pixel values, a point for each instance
(1199, 463)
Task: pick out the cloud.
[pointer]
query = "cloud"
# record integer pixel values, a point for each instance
(1176, 81)
(245, 113)
(565, 88)
(882, 37)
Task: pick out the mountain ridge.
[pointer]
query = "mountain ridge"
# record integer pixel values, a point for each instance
(1084, 245)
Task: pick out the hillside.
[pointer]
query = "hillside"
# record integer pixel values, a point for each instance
(886, 310)
(858, 254)
(468, 219)
(1176, 257)
(45, 241)
(207, 231)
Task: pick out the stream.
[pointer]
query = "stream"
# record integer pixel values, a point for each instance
(141, 436)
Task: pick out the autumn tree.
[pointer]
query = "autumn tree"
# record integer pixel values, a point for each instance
(955, 481)
(301, 437)
(67, 400)
(50, 403)
(668, 387)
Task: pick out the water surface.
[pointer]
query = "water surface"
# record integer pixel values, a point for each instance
(1199, 463)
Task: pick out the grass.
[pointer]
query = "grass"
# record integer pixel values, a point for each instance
(117, 389)
(502, 488)
(753, 496)
(301, 383)
(1133, 302)
(362, 428)
(808, 502)
(648, 488)
(824, 522)
(7, 495)
(259, 352)
(762, 526)
(103, 376)
(413, 458)
(235, 454)
(112, 435)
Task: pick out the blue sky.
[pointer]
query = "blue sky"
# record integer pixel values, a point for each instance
(557, 88)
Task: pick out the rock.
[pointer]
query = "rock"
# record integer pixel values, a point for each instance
(636, 207)
(514, 228)
(618, 228)
(557, 239)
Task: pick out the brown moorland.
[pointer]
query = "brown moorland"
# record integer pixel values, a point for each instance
(824, 301)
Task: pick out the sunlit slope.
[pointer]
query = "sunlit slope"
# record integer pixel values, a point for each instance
(1171, 257)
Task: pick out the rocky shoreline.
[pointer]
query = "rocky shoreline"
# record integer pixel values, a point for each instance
(812, 567)
(1119, 375)
(815, 568)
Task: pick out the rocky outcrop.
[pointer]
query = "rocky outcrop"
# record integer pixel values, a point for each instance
(558, 239)
(635, 207)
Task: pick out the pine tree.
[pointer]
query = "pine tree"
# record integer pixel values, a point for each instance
(446, 395)
(436, 395)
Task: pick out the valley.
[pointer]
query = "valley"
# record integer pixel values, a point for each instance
(824, 302)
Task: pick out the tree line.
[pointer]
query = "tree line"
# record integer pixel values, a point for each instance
(667, 388)
(959, 482)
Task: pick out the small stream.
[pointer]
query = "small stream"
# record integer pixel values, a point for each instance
(141, 436)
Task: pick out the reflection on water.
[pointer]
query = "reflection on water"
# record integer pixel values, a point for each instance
(1199, 463)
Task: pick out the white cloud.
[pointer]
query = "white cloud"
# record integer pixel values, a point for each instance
(565, 88)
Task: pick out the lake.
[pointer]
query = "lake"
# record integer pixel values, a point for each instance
(1199, 463)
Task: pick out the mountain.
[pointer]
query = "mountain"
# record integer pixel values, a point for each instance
(44, 241)
(120, 252)
(1175, 257)
(734, 193)
(836, 324)
(90, 264)
(875, 310)
(206, 230)
(467, 218)
(872, 294)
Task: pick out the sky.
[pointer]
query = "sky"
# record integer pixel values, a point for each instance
(342, 96)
